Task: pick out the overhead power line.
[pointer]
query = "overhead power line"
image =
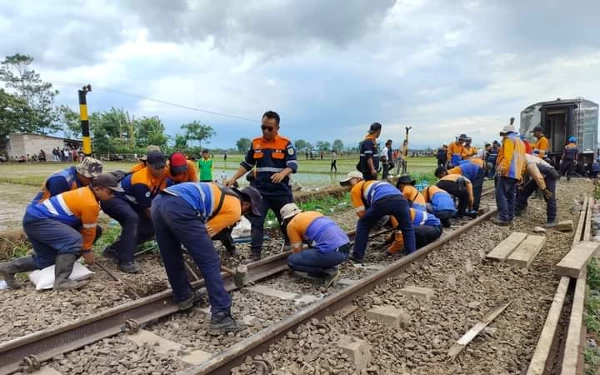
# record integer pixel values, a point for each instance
(141, 97)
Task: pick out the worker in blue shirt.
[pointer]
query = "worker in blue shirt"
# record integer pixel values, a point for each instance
(273, 159)
(569, 158)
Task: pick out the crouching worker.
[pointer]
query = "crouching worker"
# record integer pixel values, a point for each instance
(461, 188)
(373, 200)
(328, 243)
(427, 227)
(543, 176)
(189, 214)
(60, 230)
(415, 199)
(440, 203)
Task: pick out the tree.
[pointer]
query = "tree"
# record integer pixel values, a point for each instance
(70, 121)
(150, 131)
(243, 144)
(195, 131)
(323, 145)
(338, 145)
(39, 95)
(15, 116)
(301, 144)
(180, 142)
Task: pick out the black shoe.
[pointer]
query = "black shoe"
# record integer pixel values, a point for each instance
(254, 257)
(502, 223)
(223, 322)
(189, 302)
(355, 260)
(110, 252)
(130, 267)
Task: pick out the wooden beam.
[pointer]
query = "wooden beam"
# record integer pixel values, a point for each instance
(572, 345)
(542, 349)
(576, 260)
(506, 247)
(581, 223)
(527, 250)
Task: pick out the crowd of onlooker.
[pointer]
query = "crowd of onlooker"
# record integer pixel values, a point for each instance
(58, 155)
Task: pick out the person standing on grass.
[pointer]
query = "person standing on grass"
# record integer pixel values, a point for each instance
(373, 200)
(369, 153)
(273, 158)
(333, 161)
(205, 166)
(190, 214)
(442, 156)
(328, 243)
(386, 159)
(510, 167)
(60, 230)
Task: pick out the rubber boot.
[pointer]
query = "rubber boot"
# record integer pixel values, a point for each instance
(398, 243)
(8, 270)
(62, 270)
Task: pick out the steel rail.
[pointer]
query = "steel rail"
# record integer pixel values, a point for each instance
(258, 343)
(43, 345)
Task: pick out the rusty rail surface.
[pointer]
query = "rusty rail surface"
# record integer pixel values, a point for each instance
(46, 344)
(258, 343)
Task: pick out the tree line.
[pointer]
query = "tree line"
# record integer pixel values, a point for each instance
(27, 105)
(243, 144)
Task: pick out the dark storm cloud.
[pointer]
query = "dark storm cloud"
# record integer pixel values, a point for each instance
(59, 34)
(261, 25)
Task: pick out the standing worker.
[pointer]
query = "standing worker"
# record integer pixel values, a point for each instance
(132, 210)
(205, 166)
(569, 158)
(369, 155)
(442, 156)
(404, 155)
(179, 169)
(510, 167)
(273, 158)
(456, 150)
(328, 243)
(540, 148)
(333, 161)
(69, 179)
(61, 229)
(492, 158)
(469, 150)
(544, 176)
(189, 214)
(373, 200)
(386, 159)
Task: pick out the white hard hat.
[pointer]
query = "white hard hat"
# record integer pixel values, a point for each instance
(289, 210)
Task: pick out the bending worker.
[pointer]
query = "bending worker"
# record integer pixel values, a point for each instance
(461, 188)
(428, 228)
(61, 229)
(273, 158)
(373, 200)
(70, 178)
(544, 176)
(179, 170)
(415, 199)
(440, 203)
(473, 171)
(132, 210)
(189, 214)
(143, 161)
(328, 243)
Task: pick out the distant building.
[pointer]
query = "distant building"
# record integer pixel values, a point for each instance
(23, 144)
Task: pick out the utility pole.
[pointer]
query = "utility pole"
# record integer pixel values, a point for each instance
(85, 123)
(405, 166)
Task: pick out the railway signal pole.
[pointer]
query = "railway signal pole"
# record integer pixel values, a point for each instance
(85, 123)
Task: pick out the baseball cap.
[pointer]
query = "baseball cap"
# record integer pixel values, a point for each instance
(289, 210)
(107, 180)
(538, 129)
(148, 149)
(255, 199)
(156, 159)
(350, 176)
(177, 163)
(374, 127)
(89, 167)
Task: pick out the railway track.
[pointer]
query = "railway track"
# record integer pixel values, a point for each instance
(29, 352)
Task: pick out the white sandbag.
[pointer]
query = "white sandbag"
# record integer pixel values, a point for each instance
(44, 279)
(242, 229)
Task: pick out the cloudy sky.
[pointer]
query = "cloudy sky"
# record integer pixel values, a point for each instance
(329, 67)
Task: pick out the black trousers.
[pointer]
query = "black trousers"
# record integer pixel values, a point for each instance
(462, 195)
(273, 202)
